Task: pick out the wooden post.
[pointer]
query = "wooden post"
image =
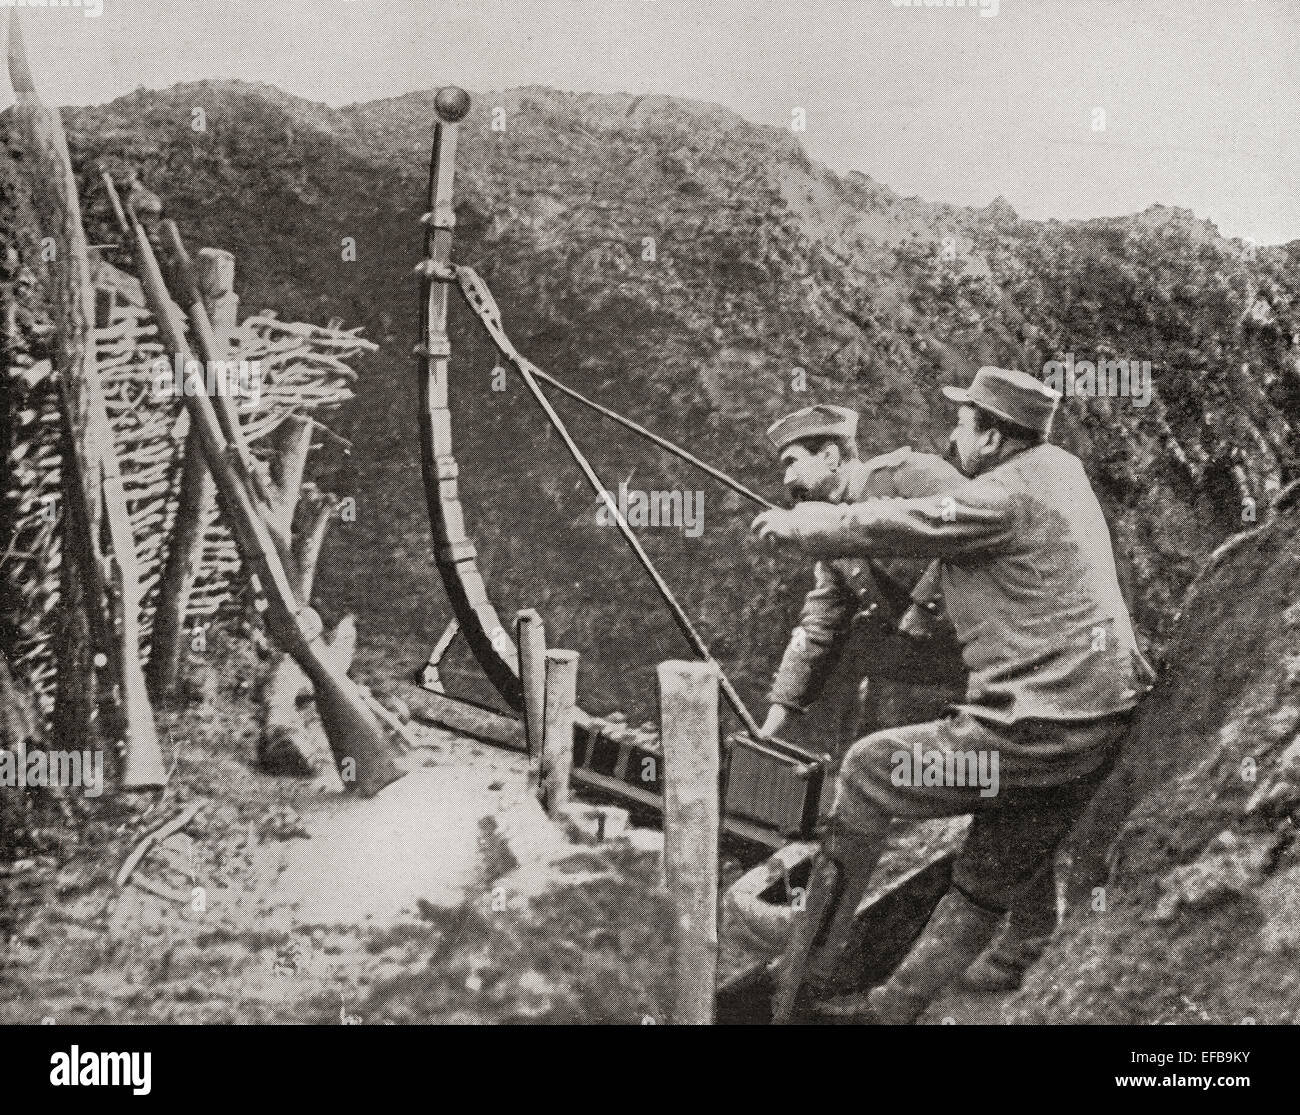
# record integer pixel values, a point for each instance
(215, 269)
(100, 584)
(688, 708)
(198, 500)
(292, 443)
(557, 731)
(530, 638)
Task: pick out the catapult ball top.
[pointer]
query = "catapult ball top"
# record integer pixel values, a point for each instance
(451, 104)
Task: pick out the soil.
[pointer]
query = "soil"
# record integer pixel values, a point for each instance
(448, 897)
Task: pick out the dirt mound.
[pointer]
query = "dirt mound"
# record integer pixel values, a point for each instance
(1185, 883)
(684, 264)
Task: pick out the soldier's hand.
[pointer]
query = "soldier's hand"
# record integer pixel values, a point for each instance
(774, 527)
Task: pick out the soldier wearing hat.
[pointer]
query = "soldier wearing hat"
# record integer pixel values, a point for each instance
(1029, 582)
(819, 453)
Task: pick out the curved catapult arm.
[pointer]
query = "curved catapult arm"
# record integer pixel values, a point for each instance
(796, 773)
(454, 553)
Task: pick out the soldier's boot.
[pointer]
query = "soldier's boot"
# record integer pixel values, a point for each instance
(1030, 925)
(839, 878)
(1002, 966)
(857, 852)
(956, 933)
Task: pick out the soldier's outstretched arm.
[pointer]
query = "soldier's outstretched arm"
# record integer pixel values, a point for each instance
(977, 517)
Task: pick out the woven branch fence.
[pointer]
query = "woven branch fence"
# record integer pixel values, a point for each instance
(304, 371)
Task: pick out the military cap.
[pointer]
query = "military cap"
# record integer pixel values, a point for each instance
(1015, 396)
(815, 421)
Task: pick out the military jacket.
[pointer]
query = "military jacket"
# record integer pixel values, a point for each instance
(845, 588)
(1028, 578)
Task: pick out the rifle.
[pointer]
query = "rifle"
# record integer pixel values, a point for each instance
(94, 484)
(210, 352)
(355, 736)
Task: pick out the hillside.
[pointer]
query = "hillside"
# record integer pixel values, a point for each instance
(764, 263)
(1192, 840)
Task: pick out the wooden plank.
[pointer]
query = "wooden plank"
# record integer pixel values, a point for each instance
(461, 716)
(603, 783)
(557, 731)
(492, 727)
(589, 738)
(688, 703)
(530, 637)
(624, 754)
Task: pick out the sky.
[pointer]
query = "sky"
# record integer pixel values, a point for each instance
(1197, 100)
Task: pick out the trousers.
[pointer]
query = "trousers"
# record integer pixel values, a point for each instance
(951, 767)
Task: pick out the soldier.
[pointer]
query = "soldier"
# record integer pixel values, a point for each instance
(1029, 582)
(819, 451)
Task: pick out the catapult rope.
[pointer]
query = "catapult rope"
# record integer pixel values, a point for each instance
(481, 302)
(650, 436)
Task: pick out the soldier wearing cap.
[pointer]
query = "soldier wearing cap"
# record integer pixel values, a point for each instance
(1029, 583)
(819, 452)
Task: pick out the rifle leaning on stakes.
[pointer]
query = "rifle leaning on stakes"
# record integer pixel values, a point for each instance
(186, 287)
(93, 481)
(354, 735)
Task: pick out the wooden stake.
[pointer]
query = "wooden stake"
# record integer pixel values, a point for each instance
(184, 562)
(688, 708)
(530, 637)
(198, 501)
(215, 270)
(470, 720)
(557, 731)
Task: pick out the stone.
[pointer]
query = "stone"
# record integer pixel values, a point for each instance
(593, 824)
(1279, 898)
(1230, 866)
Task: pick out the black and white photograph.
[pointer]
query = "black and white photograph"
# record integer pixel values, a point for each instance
(605, 513)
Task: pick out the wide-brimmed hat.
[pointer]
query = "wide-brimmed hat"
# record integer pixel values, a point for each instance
(815, 421)
(1016, 396)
